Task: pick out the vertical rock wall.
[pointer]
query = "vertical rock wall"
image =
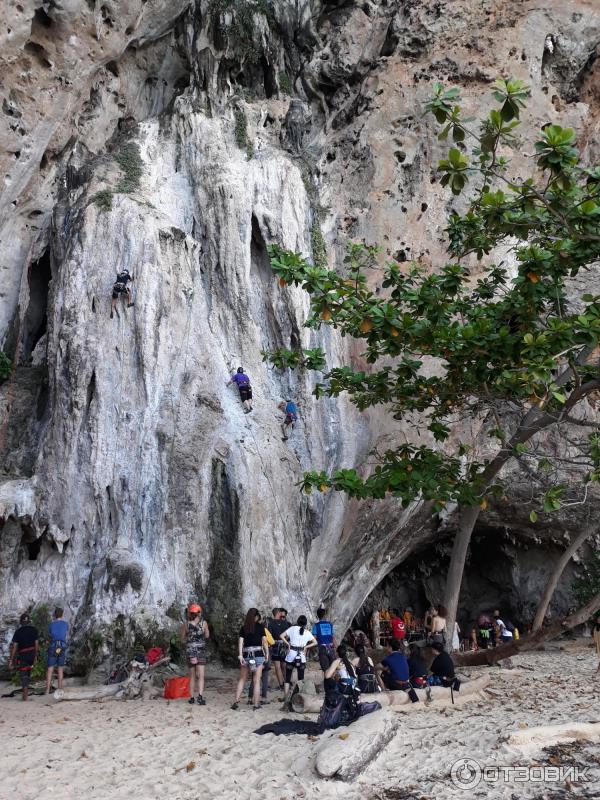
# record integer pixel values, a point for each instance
(130, 478)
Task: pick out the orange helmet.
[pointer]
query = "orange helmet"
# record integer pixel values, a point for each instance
(194, 608)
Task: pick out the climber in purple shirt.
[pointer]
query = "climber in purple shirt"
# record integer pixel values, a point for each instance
(243, 383)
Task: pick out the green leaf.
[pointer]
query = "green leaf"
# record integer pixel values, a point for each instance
(533, 516)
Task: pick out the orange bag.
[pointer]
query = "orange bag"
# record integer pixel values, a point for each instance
(176, 688)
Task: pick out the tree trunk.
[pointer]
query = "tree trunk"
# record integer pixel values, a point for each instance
(344, 755)
(468, 518)
(555, 576)
(398, 700)
(494, 654)
(375, 629)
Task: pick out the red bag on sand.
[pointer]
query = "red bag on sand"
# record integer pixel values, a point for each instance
(176, 688)
(154, 654)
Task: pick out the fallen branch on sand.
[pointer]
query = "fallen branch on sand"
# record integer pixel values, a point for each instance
(546, 735)
(400, 701)
(346, 752)
(137, 684)
(531, 640)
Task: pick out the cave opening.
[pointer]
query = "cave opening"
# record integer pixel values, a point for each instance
(35, 322)
(41, 18)
(269, 79)
(505, 570)
(30, 543)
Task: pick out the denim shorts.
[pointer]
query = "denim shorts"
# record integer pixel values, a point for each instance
(57, 661)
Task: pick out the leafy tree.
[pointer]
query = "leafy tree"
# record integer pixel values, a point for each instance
(481, 336)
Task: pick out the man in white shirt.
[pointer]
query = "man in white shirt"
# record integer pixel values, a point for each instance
(503, 633)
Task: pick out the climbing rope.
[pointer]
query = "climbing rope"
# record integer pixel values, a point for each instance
(176, 411)
(303, 587)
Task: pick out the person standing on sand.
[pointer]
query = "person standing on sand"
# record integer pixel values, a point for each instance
(596, 634)
(264, 678)
(298, 640)
(456, 637)
(323, 633)
(194, 634)
(58, 631)
(24, 650)
(277, 625)
(438, 625)
(253, 651)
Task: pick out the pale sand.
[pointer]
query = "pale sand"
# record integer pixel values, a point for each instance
(135, 749)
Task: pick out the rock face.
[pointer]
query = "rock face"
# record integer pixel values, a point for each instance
(178, 140)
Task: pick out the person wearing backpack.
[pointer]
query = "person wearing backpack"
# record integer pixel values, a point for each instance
(341, 705)
(365, 671)
(242, 381)
(120, 287)
(58, 632)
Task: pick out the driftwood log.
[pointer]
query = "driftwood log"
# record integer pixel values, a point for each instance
(400, 701)
(137, 684)
(546, 735)
(345, 752)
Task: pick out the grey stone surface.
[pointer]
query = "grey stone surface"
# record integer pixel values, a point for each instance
(130, 479)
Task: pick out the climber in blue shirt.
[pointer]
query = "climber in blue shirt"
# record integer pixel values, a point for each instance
(323, 633)
(291, 417)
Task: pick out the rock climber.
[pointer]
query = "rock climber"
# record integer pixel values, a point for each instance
(120, 287)
(243, 383)
(290, 410)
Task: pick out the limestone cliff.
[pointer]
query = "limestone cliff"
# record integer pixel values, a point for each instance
(130, 478)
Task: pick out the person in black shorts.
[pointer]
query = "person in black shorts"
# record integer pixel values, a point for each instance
(120, 287)
(277, 625)
(242, 381)
(323, 633)
(24, 650)
(298, 639)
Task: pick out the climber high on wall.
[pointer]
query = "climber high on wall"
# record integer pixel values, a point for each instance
(290, 410)
(120, 287)
(243, 383)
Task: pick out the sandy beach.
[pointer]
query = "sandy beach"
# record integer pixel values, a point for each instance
(169, 749)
